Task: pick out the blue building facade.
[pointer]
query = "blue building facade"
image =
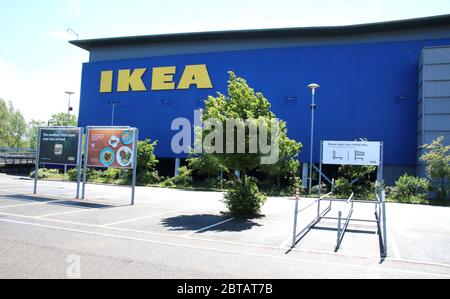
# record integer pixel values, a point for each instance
(369, 77)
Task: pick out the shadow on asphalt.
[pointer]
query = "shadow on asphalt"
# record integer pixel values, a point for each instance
(197, 222)
(56, 202)
(29, 198)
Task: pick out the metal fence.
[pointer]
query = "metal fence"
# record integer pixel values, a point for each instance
(17, 156)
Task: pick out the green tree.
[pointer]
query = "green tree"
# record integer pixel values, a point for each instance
(437, 159)
(243, 103)
(288, 164)
(63, 120)
(32, 132)
(4, 123)
(410, 189)
(360, 176)
(146, 162)
(206, 165)
(17, 127)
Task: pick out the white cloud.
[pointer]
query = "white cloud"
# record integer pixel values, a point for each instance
(40, 94)
(73, 9)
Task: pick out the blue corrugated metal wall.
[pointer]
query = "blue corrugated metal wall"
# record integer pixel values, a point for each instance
(367, 90)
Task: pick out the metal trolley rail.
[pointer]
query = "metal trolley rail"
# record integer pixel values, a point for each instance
(345, 214)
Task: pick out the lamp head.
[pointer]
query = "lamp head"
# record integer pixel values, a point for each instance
(313, 86)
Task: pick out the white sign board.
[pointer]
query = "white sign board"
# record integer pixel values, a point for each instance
(351, 153)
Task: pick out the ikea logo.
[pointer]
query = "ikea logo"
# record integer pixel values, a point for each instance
(162, 79)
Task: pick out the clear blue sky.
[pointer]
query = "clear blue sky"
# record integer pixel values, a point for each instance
(37, 64)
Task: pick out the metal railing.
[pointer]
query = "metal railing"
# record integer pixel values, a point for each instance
(341, 229)
(343, 219)
(16, 156)
(299, 235)
(380, 215)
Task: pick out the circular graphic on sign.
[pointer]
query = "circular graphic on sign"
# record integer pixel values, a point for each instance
(107, 157)
(127, 137)
(124, 156)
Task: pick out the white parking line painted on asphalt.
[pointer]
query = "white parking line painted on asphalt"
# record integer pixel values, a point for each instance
(32, 204)
(268, 256)
(54, 196)
(208, 227)
(68, 212)
(60, 221)
(224, 242)
(119, 229)
(146, 217)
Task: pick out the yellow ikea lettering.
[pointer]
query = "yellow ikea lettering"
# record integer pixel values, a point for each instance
(195, 74)
(129, 79)
(106, 81)
(163, 78)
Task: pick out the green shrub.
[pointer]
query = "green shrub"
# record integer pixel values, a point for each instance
(93, 175)
(44, 173)
(146, 161)
(389, 191)
(296, 183)
(244, 198)
(323, 189)
(112, 173)
(53, 172)
(365, 180)
(184, 177)
(342, 187)
(72, 174)
(150, 177)
(33, 174)
(410, 189)
(167, 183)
(215, 183)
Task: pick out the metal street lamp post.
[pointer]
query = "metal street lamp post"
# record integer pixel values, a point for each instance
(69, 109)
(313, 88)
(113, 104)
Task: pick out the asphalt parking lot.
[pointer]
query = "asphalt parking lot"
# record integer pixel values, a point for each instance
(183, 234)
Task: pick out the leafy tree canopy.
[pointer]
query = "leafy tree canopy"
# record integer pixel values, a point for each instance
(243, 103)
(63, 120)
(437, 158)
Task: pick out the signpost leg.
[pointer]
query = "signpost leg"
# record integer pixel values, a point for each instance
(294, 236)
(339, 229)
(79, 162)
(36, 178)
(320, 181)
(177, 166)
(135, 153)
(383, 199)
(305, 175)
(83, 192)
(37, 161)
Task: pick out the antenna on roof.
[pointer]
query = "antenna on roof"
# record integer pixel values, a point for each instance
(70, 30)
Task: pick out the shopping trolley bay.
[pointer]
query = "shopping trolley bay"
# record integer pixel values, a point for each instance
(182, 234)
